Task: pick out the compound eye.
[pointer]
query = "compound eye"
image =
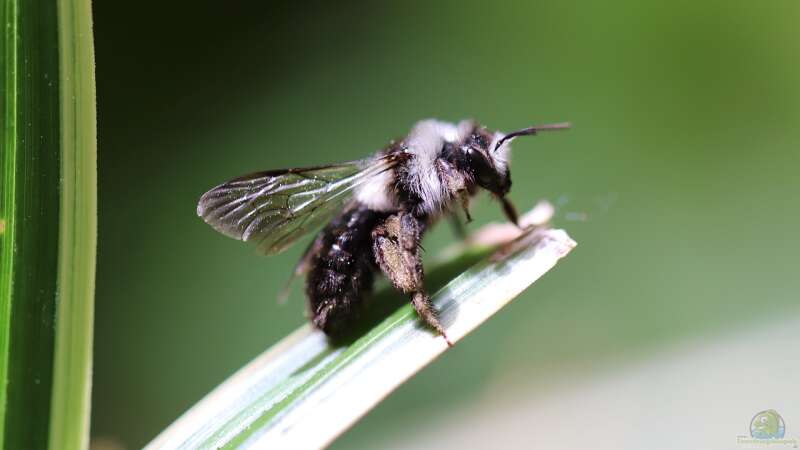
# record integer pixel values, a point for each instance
(482, 169)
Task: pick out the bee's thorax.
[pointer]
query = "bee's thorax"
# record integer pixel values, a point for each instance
(433, 171)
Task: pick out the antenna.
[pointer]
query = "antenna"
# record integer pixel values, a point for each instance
(532, 131)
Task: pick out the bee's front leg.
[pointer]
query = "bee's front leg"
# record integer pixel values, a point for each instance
(510, 211)
(395, 244)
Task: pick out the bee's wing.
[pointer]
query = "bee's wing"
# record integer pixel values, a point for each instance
(273, 209)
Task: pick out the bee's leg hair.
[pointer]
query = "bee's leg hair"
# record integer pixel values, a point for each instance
(395, 245)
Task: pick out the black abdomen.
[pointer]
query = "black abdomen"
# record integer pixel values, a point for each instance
(342, 270)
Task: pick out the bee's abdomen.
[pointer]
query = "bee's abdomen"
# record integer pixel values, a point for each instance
(342, 270)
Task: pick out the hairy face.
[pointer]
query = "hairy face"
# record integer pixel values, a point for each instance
(488, 165)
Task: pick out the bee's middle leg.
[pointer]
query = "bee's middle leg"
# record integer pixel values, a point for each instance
(396, 247)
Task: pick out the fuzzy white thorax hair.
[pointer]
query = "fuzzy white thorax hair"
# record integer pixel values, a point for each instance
(425, 142)
(376, 192)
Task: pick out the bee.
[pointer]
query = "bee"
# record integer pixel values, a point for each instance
(373, 213)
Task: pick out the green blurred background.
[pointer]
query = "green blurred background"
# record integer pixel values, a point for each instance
(678, 180)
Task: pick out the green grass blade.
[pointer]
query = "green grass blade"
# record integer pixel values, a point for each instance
(8, 63)
(305, 391)
(69, 424)
(47, 223)
(31, 179)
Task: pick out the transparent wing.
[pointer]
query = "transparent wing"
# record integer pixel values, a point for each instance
(273, 209)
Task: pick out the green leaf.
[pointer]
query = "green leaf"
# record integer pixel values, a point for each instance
(305, 391)
(70, 413)
(47, 223)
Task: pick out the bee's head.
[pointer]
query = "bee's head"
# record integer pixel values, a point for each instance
(486, 154)
(488, 168)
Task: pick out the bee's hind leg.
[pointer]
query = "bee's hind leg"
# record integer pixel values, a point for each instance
(395, 245)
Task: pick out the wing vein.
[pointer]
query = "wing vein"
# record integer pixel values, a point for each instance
(273, 209)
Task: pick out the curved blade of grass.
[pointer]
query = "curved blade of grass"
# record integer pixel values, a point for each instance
(72, 372)
(47, 223)
(305, 391)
